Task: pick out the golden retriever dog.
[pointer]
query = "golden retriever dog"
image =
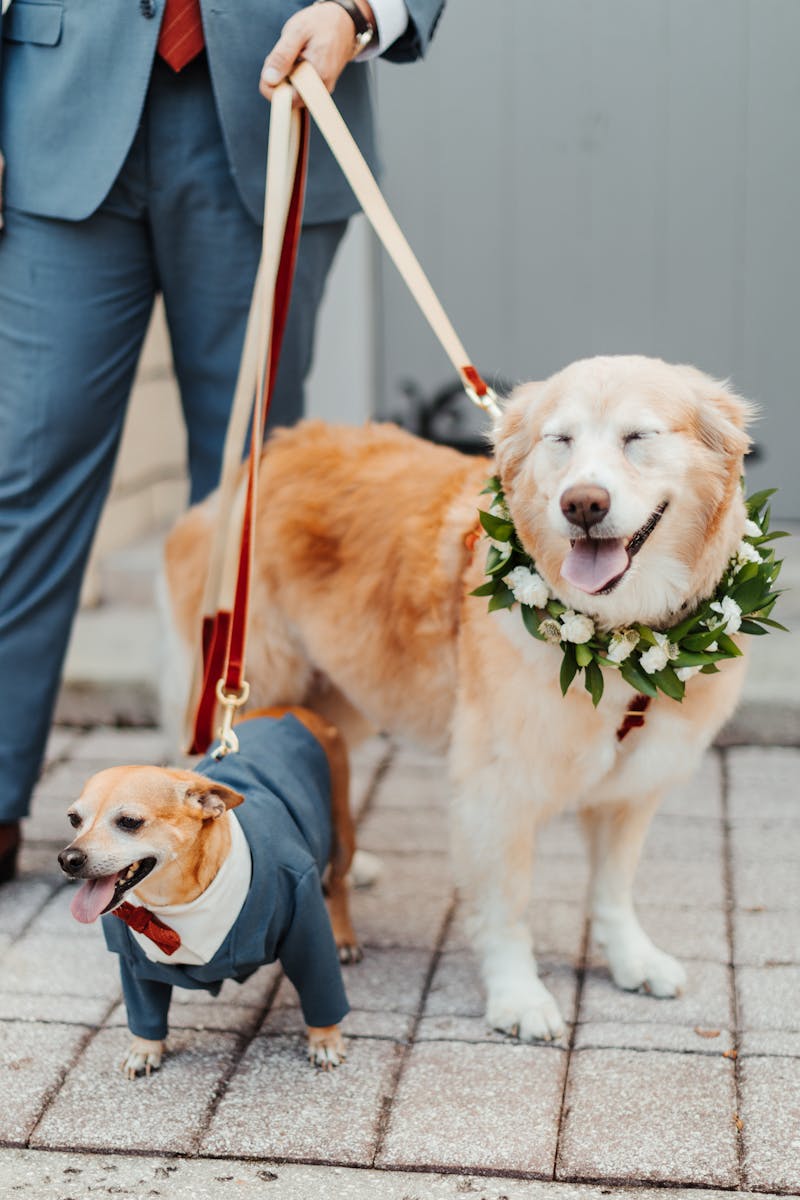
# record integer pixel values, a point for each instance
(622, 476)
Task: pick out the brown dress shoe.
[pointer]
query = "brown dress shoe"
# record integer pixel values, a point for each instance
(9, 846)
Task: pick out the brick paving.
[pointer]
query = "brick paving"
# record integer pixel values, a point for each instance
(699, 1093)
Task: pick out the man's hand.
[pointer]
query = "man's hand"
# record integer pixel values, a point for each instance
(322, 34)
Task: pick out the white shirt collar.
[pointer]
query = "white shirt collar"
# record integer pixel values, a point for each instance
(204, 923)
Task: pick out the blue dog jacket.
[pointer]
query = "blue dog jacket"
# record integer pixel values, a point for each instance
(282, 772)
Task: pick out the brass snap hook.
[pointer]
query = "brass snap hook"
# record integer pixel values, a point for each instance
(230, 701)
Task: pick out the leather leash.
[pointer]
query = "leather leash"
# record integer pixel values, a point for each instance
(218, 676)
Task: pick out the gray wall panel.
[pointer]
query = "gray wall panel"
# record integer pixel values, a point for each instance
(582, 177)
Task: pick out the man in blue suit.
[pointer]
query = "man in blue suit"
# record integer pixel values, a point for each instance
(135, 147)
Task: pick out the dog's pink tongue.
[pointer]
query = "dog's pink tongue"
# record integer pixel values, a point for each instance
(91, 898)
(593, 562)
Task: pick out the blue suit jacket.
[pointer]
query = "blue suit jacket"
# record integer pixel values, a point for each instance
(73, 79)
(282, 771)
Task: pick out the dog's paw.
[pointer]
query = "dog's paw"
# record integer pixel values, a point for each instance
(143, 1058)
(645, 967)
(326, 1047)
(349, 953)
(532, 1016)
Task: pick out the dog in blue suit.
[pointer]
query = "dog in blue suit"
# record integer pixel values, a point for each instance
(125, 179)
(191, 893)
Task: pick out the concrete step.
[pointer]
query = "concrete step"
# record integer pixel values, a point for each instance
(126, 576)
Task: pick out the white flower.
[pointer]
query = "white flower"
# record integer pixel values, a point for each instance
(550, 629)
(751, 529)
(502, 548)
(575, 627)
(654, 659)
(528, 587)
(500, 509)
(657, 657)
(731, 614)
(745, 554)
(623, 642)
(685, 673)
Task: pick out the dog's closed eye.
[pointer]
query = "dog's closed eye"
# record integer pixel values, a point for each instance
(73, 819)
(129, 824)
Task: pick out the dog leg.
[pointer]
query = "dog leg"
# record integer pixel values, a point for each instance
(337, 887)
(616, 836)
(326, 1046)
(492, 852)
(143, 1057)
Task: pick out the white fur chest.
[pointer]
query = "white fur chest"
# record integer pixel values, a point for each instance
(566, 752)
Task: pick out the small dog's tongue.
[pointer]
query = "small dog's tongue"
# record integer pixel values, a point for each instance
(92, 897)
(593, 562)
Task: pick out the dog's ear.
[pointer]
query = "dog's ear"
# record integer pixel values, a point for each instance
(721, 420)
(209, 798)
(512, 433)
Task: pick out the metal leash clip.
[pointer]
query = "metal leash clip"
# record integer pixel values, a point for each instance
(488, 401)
(230, 701)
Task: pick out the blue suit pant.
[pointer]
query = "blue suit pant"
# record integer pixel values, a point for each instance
(75, 301)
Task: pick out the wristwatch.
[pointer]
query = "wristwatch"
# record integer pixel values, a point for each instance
(365, 30)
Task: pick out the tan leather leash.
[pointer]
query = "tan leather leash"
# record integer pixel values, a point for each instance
(355, 170)
(219, 673)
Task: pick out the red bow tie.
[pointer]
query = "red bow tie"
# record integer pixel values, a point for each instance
(141, 920)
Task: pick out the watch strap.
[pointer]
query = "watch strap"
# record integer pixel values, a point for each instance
(365, 30)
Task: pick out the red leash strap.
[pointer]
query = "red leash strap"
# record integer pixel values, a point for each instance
(634, 717)
(224, 634)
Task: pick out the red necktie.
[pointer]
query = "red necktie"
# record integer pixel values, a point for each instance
(181, 37)
(141, 920)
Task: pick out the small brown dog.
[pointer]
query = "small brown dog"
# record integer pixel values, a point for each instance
(215, 895)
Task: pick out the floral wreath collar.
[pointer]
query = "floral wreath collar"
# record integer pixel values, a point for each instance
(649, 660)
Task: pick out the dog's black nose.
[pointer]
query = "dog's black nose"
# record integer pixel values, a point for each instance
(585, 505)
(72, 861)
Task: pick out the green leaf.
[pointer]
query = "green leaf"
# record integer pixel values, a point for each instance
(769, 537)
(637, 678)
(486, 589)
(493, 484)
(531, 620)
(748, 595)
(503, 598)
(646, 635)
(757, 501)
(669, 683)
(772, 624)
(686, 659)
(496, 527)
(760, 604)
(583, 654)
(699, 641)
(569, 668)
(680, 631)
(760, 614)
(752, 627)
(593, 682)
(496, 561)
(748, 571)
(555, 608)
(729, 646)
